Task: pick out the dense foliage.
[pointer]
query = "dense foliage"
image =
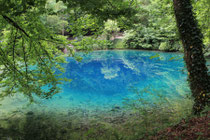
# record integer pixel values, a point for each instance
(202, 13)
(27, 50)
(29, 40)
(156, 26)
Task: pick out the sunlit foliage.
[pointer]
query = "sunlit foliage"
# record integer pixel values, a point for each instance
(29, 45)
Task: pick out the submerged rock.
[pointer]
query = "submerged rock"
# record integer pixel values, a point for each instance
(30, 113)
(116, 108)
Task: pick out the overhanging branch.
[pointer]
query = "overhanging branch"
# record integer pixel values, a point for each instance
(13, 23)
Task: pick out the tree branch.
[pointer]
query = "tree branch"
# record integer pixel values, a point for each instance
(13, 23)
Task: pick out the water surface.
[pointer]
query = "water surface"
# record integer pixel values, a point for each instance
(104, 79)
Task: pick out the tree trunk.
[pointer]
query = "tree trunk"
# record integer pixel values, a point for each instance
(191, 37)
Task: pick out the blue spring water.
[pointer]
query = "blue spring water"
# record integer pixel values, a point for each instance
(104, 79)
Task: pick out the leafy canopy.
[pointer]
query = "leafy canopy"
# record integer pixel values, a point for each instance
(29, 54)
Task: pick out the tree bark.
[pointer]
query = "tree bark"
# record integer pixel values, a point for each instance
(191, 37)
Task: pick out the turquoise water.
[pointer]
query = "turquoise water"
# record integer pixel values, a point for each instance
(104, 79)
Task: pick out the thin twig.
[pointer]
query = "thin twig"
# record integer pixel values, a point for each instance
(25, 59)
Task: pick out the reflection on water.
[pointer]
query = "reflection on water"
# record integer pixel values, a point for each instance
(105, 78)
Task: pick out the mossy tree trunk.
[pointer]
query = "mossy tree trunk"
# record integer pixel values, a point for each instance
(191, 37)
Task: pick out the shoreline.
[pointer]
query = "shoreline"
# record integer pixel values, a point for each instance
(149, 50)
(131, 49)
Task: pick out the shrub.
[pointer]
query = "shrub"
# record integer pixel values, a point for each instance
(152, 39)
(163, 46)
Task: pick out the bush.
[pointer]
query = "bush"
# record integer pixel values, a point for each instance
(110, 29)
(118, 44)
(163, 46)
(90, 43)
(151, 39)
